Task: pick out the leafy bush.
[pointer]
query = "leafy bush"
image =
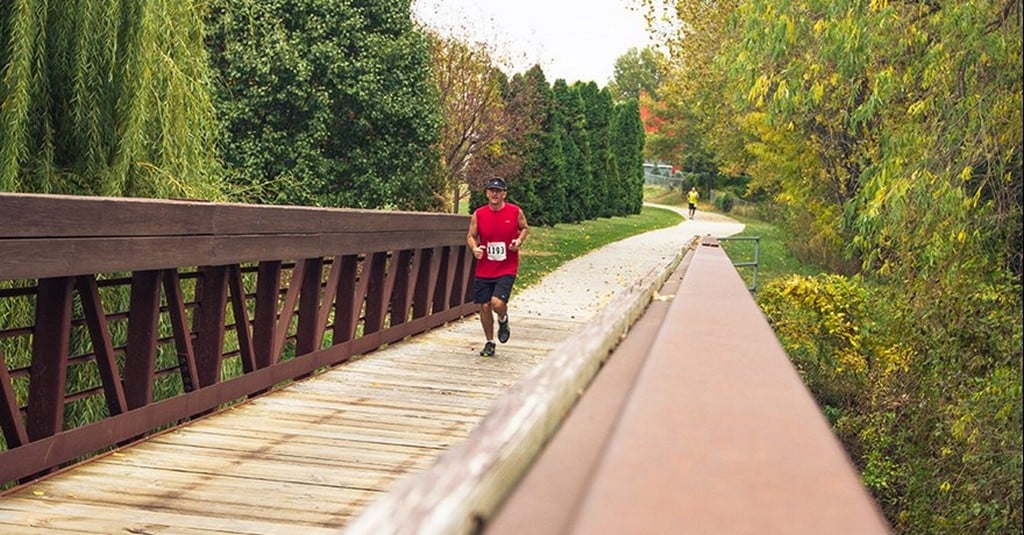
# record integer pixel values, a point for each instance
(927, 399)
(724, 201)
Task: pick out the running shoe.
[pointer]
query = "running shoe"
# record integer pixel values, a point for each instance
(503, 332)
(488, 350)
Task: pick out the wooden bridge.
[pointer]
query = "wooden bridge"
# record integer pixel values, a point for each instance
(242, 369)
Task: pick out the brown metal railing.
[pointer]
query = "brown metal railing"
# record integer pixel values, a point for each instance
(122, 316)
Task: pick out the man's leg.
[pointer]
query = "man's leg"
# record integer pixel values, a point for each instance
(482, 292)
(501, 310)
(500, 307)
(499, 302)
(487, 322)
(487, 319)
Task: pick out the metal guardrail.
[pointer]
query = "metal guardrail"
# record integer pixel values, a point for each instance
(757, 256)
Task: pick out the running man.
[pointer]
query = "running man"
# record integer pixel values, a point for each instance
(496, 232)
(692, 197)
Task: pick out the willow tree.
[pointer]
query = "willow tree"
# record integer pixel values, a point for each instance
(106, 97)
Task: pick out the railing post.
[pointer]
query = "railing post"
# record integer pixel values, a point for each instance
(103, 348)
(50, 342)
(268, 288)
(243, 327)
(426, 281)
(375, 298)
(405, 282)
(140, 352)
(349, 299)
(182, 333)
(209, 322)
(309, 334)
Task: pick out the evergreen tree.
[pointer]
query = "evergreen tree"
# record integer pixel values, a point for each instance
(576, 146)
(540, 183)
(628, 146)
(599, 109)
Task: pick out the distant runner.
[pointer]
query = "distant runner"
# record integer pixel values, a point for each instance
(692, 197)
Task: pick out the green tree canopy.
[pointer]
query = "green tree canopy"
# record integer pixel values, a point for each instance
(637, 72)
(326, 102)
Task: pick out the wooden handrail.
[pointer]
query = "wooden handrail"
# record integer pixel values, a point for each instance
(709, 430)
(138, 291)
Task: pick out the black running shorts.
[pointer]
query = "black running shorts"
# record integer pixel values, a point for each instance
(485, 289)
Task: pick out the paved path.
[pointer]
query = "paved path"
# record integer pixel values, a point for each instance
(612, 267)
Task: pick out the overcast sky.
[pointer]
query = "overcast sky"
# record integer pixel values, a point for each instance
(570, 39)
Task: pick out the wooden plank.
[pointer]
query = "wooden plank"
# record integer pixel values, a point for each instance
(316, 466)
(288, 445)
(546, 500)
(377, 432)
(340, 401)
(225, 498)
(27, 258)
(47, 516)
(317, 406)
(776, 468)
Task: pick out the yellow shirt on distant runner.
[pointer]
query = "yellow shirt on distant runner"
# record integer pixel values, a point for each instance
(693, 196)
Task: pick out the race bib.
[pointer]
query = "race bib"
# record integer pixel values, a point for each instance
(496, 251)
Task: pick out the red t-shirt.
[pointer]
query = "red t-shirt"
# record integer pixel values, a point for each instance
(496, 230)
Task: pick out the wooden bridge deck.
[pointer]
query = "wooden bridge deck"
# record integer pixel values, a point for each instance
(309, 457)
(306, 458)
